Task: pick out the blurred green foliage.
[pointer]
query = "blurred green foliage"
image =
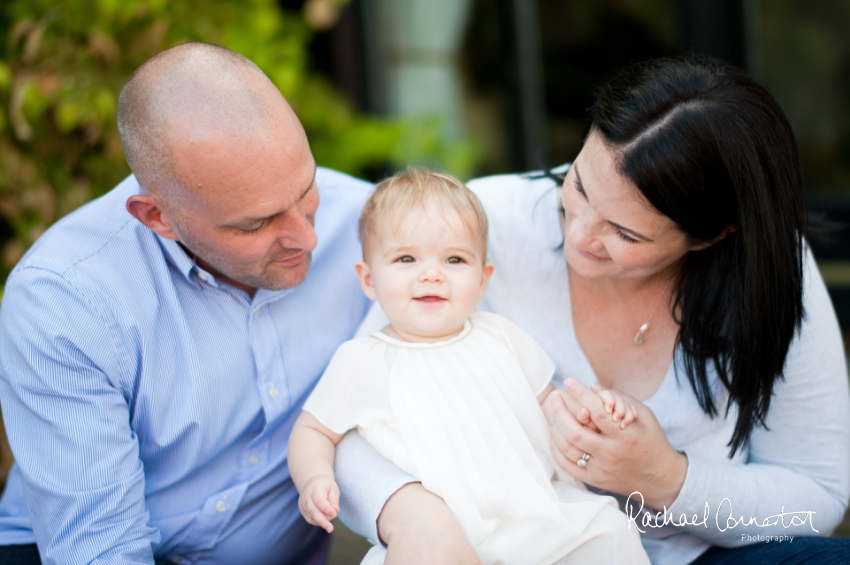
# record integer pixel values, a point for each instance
(62, 66)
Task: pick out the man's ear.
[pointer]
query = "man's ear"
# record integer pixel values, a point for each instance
(732, 228)
(364, 274)
(147, 209)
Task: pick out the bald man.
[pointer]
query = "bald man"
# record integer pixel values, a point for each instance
(157, 344)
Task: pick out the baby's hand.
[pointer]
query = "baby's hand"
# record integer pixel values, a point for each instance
(319, 502)
(621, 410)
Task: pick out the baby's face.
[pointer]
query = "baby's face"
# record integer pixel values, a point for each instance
(427, 274)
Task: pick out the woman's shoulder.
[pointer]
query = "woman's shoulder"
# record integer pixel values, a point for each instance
(522, 210)
(514, 193)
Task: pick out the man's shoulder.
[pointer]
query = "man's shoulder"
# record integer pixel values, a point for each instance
(101, 232)
(342, 184)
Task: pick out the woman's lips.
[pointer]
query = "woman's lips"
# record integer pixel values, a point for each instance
(591, 256)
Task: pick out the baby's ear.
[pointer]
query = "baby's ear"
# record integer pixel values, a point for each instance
(364, 274)
(486, 273)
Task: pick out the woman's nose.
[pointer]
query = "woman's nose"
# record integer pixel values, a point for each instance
(582, 229)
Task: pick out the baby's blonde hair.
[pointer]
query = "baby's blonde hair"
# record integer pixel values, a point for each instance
(417, 188)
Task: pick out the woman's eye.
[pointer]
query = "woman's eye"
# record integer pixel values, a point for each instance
(406, 259)
(626, 238)
(578, 187)
(454, 260)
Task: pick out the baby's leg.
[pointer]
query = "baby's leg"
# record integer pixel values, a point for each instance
(608, 540)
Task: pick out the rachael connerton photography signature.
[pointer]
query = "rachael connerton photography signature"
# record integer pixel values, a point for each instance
(724, 518)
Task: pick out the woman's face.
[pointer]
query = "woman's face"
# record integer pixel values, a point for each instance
(610, 230)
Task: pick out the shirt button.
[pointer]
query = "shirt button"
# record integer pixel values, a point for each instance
(253, 459)
(203, 276)
(220, 506)
(256, 313)
(273, 391)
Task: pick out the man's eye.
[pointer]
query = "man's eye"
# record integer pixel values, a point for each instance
(255, 229)
(454, 260)
(406, 259)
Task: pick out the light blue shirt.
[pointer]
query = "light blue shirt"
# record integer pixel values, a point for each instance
(147, 405)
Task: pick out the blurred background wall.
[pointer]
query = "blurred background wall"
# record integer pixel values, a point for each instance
(472, 87)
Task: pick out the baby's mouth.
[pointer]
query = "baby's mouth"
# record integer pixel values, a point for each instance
(430, 299)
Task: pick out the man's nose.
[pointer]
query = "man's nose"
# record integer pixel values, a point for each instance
(296, 230)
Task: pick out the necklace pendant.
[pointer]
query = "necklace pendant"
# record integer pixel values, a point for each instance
(639, 334)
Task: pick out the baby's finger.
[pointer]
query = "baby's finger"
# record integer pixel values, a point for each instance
(608, 400)
(629, 417)
(319, 518)
(326, 507)
(333, 497)
(619, 410)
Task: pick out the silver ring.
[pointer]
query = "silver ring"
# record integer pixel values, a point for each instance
(584, 459)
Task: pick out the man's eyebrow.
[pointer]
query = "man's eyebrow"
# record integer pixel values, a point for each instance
(250, 221)
(628, 231)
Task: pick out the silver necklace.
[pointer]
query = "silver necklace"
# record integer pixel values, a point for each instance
(645, 326)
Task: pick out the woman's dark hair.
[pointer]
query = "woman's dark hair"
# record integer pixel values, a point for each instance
(712, 150)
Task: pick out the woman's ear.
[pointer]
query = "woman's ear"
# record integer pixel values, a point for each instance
(731, 228)
(147, 209)
(364, 274)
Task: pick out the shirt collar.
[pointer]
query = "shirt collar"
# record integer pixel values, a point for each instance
(179, 259)
(177, 256)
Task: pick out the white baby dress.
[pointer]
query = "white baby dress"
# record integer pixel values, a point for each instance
(462, 416)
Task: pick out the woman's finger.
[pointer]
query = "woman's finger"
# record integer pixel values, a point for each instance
(567, 459)
(566, 430)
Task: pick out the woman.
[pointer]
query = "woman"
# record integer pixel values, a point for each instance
(687, 285)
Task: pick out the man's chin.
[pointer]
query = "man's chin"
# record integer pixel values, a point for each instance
(279, 276)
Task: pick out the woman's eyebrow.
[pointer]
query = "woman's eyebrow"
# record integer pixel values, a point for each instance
(624, 229)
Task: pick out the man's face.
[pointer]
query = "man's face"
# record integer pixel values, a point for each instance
(249, 206)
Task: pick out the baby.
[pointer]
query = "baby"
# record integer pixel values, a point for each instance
(451, 396)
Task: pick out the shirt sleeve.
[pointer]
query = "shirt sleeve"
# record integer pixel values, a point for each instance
(536, 365)
(353, 389)
(799, 463)
(366, 481)
(69, 424)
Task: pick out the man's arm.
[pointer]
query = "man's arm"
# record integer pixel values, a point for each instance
(68, 421)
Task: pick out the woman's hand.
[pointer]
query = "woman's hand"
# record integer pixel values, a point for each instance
(622, 461)
(419, 529)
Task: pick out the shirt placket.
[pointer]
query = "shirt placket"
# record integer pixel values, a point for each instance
(271, 377)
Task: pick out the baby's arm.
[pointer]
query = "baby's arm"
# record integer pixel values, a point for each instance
(312, 447)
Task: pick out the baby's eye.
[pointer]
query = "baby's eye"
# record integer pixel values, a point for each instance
(405, 259)
(454, 260)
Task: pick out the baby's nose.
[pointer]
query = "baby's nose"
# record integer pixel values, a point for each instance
(432, 273)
